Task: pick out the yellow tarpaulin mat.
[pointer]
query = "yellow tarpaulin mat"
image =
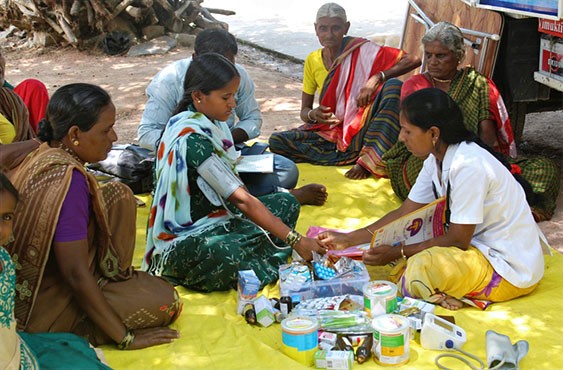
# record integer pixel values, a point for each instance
(213, 336)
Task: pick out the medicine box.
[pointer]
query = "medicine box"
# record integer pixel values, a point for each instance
(351, 283)
(551, 57)
(248, 286)
(334, 360)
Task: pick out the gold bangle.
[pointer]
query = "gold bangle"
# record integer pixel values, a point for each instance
(292, 238)
(403, 255)
(368, 230)
(126, 341)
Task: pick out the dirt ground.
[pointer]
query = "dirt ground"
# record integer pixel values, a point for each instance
(278, 90)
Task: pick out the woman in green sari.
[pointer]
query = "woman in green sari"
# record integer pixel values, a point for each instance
(484, 113)
(196, 234)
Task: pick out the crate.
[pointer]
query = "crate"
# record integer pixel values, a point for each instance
(352, 284)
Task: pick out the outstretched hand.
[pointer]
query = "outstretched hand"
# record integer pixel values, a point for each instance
(306, 246)
(153, 336)
(335, 240)
(378, 256)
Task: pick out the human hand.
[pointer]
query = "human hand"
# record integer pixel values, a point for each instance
(365, 96)
(152, 337)
(335, 240)
(323, 114)
(378, 256)
(306, 246)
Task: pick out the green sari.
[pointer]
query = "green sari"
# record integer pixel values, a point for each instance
(192, 242)
(479, 100)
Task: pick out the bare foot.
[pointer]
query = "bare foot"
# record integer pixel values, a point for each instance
(312, 194)
(446, 301)
(357, 173)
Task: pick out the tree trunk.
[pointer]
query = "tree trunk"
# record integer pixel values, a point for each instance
(73, 22)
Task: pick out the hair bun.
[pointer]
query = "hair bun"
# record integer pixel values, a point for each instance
(44, 130)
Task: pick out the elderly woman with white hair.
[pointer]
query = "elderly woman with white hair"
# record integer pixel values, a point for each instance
(356, 120)
(484, 114)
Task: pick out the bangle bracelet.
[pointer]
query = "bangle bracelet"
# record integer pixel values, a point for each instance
(309, 116)
(368, 230)
(126, 341)
(403, 255)
(382, 75)
(292, 238)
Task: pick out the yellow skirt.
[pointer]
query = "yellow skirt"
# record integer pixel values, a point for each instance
(457, 273)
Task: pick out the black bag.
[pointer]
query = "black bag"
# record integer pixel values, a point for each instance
(116, 42)
(129, 164)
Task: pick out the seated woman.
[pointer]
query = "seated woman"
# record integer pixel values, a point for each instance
(74, 239)
(484, 114)
(23, 350)
(193, 237)
(357, 117)
(14, 116)
(491, 250)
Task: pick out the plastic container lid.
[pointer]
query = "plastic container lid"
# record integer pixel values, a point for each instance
(379, 287)
(390, 323)
(299, 325)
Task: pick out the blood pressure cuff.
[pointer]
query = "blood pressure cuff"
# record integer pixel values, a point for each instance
(221, 178)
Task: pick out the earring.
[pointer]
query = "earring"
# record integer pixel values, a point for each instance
(75, 142)
(11, 239)
(199, 101)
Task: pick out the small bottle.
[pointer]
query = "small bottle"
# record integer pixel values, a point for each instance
(285, 305)
(249, 313)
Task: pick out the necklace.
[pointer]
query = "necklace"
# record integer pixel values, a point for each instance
(441, 81)
(69, 151)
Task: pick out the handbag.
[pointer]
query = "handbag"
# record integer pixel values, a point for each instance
(129, 164)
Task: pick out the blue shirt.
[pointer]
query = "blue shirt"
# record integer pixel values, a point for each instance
(166, 90)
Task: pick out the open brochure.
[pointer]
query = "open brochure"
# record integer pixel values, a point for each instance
(261, 163)
(425, 223)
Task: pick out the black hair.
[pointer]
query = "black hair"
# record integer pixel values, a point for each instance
(433, 107)
(206, 73)
(6, 185)
(215, 40)
(77, 104)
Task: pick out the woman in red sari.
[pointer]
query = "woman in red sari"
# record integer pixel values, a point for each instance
(356, 120)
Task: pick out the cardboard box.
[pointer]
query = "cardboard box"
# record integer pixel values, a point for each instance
(264, 311)
(248, 286)
(551, 57)
(334, 360)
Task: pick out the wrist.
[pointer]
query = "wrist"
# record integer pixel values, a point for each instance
(310, 117)
(382, 76)
(126, 341)
(292, 238)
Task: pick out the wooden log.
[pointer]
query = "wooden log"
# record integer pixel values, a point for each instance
(182, 9)
(135, 12)
(69, 35)
(100, 9)
(120, 7)
(75, 9)
(90, 14)
(166, 5)
(220, 11)
(217, 23)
